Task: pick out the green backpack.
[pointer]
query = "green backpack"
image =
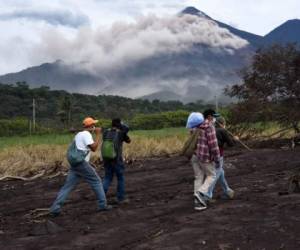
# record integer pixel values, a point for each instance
(109, 144)
(75, 155)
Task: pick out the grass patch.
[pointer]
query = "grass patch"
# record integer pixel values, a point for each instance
(54, 139)
(64, 139)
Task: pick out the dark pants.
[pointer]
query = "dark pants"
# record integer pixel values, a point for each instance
(114, 168)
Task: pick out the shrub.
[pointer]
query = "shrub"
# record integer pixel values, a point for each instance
(159, 120)
(18, 126)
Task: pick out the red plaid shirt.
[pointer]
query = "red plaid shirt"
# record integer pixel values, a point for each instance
(207, 146)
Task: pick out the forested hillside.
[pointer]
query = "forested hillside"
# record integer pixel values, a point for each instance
(56, 108)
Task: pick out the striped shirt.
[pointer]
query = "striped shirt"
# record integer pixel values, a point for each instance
(207, 146)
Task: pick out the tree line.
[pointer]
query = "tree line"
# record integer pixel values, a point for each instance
(270, 90)
(57, 109)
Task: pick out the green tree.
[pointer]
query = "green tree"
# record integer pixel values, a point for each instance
(271, 87)
(65, 112)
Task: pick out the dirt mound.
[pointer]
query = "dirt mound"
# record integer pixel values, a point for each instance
(160, 215)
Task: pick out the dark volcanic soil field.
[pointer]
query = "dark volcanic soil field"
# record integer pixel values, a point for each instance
(160, 214)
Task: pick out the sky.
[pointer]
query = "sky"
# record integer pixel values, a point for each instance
(27, 26)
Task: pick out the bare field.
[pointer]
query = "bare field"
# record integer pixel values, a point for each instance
(160, 214)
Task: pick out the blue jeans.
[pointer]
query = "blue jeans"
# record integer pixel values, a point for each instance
(220, 176)
(88, 173)
(114, 168)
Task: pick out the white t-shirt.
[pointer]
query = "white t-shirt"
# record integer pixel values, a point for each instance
(82, 140)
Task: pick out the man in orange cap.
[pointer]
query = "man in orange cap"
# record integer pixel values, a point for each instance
(82, 145)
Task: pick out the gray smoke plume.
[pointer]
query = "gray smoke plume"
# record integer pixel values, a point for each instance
(151, 54)
(127, 43)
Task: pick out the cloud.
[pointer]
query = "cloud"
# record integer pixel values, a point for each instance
(109, 50)
(53, 17)
(126, 55)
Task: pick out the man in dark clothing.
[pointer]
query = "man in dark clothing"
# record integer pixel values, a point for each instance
(116, 166)
(223, 138)
(222, 135)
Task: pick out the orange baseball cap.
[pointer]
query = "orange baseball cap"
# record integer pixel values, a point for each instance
(89, 121)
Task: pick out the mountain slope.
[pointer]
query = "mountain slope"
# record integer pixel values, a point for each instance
(162, 96)
(193, 57)
(289, 32)
(197, 62)
(57, 75)
(253, 39)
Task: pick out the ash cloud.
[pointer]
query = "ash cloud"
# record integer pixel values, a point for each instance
(127, 43)
(151, 54)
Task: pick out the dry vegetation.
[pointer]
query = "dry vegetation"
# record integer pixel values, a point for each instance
(29, 156)
(28, 160)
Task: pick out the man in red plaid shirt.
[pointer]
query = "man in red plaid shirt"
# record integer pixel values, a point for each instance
(207, 160)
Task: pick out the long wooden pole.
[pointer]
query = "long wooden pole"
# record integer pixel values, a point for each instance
(239, 141)
(33, 115)
(243, 144)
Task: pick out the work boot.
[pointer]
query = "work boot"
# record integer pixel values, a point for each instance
(228, 195)
(54, 214)
(105, 209)
(120, 202)
(124, 201)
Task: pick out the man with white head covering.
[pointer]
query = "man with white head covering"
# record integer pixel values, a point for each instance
(205, 160)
